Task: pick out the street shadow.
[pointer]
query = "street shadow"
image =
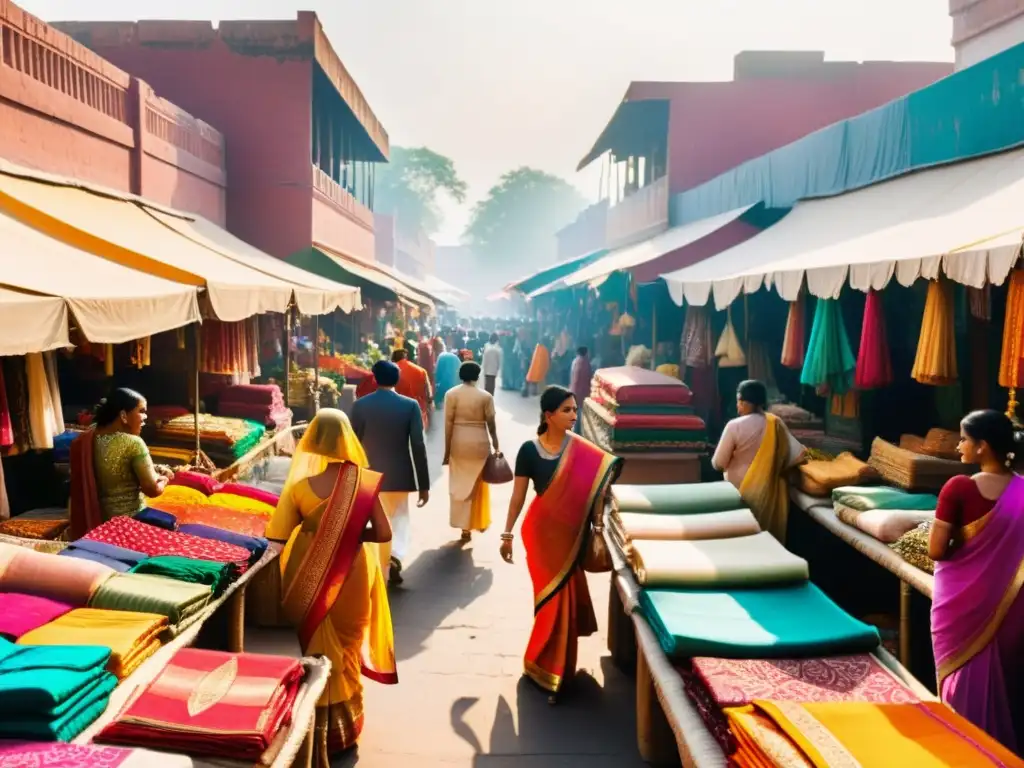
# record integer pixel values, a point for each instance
(437, 583)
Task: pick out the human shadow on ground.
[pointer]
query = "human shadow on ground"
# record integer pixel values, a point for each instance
(420, 605)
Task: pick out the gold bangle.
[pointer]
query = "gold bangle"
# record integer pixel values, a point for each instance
(507, 537)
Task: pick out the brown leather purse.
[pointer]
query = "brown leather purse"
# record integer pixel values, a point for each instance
(597, 558)
(496, 470)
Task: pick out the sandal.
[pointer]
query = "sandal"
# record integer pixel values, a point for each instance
(467, 536)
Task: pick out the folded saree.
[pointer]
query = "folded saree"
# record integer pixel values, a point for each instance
(66, 579)
(255, 545)
(22, 613)
(131, 637)
(180, 601)
(683, 499)
(226, 519)
(251, 492)
(651, 421)
(629, 384)
(129, 533)
(714, 525)
(211, 703)
(758, 560)
(857, 677)
(831, 735)
(43, 754)
(774, 622)
(118, 558)
(217, 576)
(883, 497)
(151, 516)
(34, 529)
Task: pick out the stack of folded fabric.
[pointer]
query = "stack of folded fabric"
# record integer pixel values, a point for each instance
(120, 559)
(234, 719)
(223, 439)
(796, 417)
(131, 638)
(256, 545)
(226, 519)
(20, 614)
(633, 409)
(65, 579)
(913, 471)
(26, 528)
(197, 481)
(627, 527)
(262, 403)
(819, 477)
(51, 692)
(881, 512)
(181, 602)
(216, 576)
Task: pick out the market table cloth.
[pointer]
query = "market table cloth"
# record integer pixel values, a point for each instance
(217, 576)
(22, 613)
(66, 579)
(778, 622)
(714, 525)
(682, 499)
(758, 560)
(129, 533)
(180, 601)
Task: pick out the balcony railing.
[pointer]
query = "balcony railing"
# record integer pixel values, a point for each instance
(641, 215)
(182, 131)
(342, 199)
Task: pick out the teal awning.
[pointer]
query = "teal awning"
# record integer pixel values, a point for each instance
(548, 275)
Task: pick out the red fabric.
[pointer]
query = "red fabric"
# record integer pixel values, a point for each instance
(709, 711)
(226, 519)
(961, 503)
(874, 364)
(861, 677)
(131, 534)
(166, 412)
(794, 344)
(250, 492)
(239, 701)
(253, 394)
(630, 384)
(196, 481)
(86, 512)
(6, 428)
(366, 387)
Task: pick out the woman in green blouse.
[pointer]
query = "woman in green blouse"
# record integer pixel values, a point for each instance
(111, 469)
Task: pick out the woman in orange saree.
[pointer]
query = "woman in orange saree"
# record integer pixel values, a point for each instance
(570, 476)
(332, 588)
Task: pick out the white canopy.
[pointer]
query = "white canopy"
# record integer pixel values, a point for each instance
(640, 253)
(112, 304)
(32, 323)
(964, 219)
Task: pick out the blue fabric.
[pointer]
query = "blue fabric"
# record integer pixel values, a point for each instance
(446, 375)
(110, 562)
(118, 558)
(157, 518)
(62, 445)
(256, 545)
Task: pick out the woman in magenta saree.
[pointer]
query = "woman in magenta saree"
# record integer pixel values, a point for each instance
(978, 605)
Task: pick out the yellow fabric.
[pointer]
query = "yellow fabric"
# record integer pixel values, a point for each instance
(179, 493)
(329, 439)
(131, 637)
(763, 487)
(1013, 333)
(241, 504)
(668, 369)
(480, 511)
(935, 362)
(728, 350)
(820, 478)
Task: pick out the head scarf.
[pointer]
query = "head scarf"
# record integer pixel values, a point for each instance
(329, 439)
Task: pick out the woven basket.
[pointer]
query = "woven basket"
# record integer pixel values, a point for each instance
(913, 471)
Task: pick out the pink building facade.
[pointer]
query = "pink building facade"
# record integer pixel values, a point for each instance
(64, 110)
(303, 139)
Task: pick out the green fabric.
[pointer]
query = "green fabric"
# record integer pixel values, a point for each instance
(120, 458)
(142, 593)
(643, 409)
(782, 622)
(883, 497)
(829, 362)
(683, 499)
(43, 679)
(68, 725)
(218, 576)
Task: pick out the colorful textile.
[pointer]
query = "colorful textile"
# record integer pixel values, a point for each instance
(729, 351)
(131, 534)
(256, 546)
(250, 492)
(697, 343)
(978, 619)
(935, 362)
(446, 376)
(6, 428)
(886, 525)
(1012, 356)
(682, 499)
(40, 754)
(218, 576)
(58, 578)
(821, 478)
(22, 613)
(118, 558)
(181, 494)
(764, 487)
(647, 421)
(874, 364)
(711, 525)
(33, 529)
(882, 497)
(539, 365)
(709, 711)
(866, 735)
(829, 364)
(795, 339)
(131, 637)
(212, 703)
(912, 546)
(180, 601)
(241, 503)
(628, 385)
(197, 481)
(769, 623)
(859, 677)
(555, 531)
(86, 511)
(157, 518)
(219, 517)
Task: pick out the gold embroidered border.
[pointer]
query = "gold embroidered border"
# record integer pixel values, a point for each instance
(971, 530)
(824, 749)
(546, 680)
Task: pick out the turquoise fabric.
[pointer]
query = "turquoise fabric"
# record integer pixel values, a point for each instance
(829, 362)
(882, 497)
(782, 622)
(69, 723)
(682, 499)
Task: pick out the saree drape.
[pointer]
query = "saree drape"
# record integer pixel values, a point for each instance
(874, 365)
(978, 619)
(764, 488)
(539, 365)
(555, 533)
(935, 362)
(1013, 333)
(86, 512)
(794, 343)
(829, 364)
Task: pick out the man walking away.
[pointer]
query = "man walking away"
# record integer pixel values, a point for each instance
(492, 363)
(390, 427)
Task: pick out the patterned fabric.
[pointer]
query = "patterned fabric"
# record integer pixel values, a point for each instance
(860, 677)
(913, 547)
(218, 517)
(34, 529)
(120, 458)
(131, 534)
(56, 755)
(708, 709)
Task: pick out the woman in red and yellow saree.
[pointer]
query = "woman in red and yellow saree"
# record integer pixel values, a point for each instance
(570, 476)
(977, 541)
(332, 588)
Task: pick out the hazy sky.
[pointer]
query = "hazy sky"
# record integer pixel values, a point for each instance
(496, 84)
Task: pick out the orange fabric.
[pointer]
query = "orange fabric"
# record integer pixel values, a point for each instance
(539, 365)
(1013, 333)
(413, 382)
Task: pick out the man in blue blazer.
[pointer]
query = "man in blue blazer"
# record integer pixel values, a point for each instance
(390, 427)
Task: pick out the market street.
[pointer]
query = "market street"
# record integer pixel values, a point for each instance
(462, 620)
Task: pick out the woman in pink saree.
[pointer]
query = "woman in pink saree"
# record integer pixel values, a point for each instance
(978, 608)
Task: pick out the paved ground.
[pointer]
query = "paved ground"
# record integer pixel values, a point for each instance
(462, 620)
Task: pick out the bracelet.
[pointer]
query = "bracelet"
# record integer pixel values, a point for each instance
(507, 537)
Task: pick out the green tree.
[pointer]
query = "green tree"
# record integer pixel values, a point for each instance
(515, 223)
(408, 188)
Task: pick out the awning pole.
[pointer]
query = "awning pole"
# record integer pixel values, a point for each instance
(287, 353)
(316, 363)
(197, 335)
(654, 334)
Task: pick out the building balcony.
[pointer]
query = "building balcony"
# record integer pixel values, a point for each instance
(340, 222)
(640, 215)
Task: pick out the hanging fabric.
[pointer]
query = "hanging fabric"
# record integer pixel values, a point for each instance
(794, 343)
(43, 422)
(980, 302)
(729, 352)
(6, 428)
(697, 344)
(874, 363)
(108, 360)
(935, 362)
(50, 363)
(5, 506)
(847, 405)
(142, 352)
(829, 365)
(229, 348)
(1013, 333)
(759, 365)
(16, 384)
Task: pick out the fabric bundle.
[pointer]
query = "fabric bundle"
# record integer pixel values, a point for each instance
(255, 545)
(48, 530)
(629, 527)
(203, 703)
(197, 481)
(1010, 369)
(157, 518)
(217, 576)
(628, 386)
(874, 364)
(935, 362)
(697, 344)
(729, 352)
(886, 525)
(20, 613)
(60, 578)
(262, 403)
(820, 477)
(682, 499)
(794, 341)
(912, 546)
(242, 503)
(829, 364)
(150, 540)
(118, 558)
(864, 499)
(180, 601)
(52, 693)
(223, 439)
(250, 492)
(130, 637)
(216, 516)
(42, 754)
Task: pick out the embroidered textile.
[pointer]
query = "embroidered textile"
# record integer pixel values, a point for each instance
(131, 534)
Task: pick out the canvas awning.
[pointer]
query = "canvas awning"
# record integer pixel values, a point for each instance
(120, 231)
(112, 304)
(964, 220)
(336, 266)
(314, 295)
(543, 278)
(629, 256)
(445, 291)
(32, 323)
